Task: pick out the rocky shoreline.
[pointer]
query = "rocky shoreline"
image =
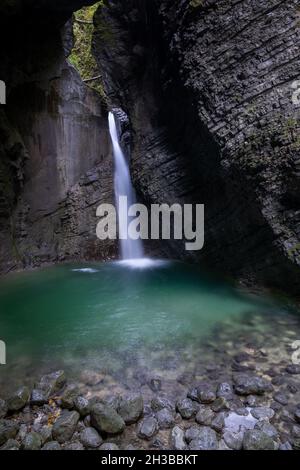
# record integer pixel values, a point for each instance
(243, 392)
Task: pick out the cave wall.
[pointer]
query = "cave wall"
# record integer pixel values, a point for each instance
(55, 151)
(208, 87)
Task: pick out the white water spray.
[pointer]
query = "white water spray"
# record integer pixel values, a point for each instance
(130, 249)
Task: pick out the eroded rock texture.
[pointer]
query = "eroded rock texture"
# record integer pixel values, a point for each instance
(55, 152)
(208, 86)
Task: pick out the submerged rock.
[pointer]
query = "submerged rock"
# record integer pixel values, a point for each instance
(251, 385)
(18, 399)
(64, 427)
(8, 430)
(224, 390)
(262, 412)
(90, 438)
(109, 446)
(205, 393)
(258, 440)
(192, 433)
(38, 397)
(82, 405)
(32, 441)
(131, 408)
(11, 444)
(68, 397)
(105, 419)
(204, 415)
(165, 418)
(177, 439)
(52, 445)
(187, 408)
(206, 440)
(51, 383)
(160, 402)
(3, 408)
(147, 428)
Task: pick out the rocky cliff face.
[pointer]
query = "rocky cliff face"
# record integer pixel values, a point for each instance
(55, 153)
(208, 86)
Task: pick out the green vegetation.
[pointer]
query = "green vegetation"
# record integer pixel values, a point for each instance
(81, 56)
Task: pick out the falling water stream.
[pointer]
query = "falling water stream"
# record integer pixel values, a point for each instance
(130, 249)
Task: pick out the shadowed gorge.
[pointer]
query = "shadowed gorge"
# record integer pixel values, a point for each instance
(110, 342)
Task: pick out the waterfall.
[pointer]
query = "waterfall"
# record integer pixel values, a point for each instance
(130, 249)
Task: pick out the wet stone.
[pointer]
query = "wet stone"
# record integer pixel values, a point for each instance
(251, 385)
(8, 430)
(262, 412)
(206, 440)
(76, 445)
(105, 419)
(3, 408)
(11, 444)
(52, 445)
(258, 440)
(109, 446)
(38, 397)
(234, 440)
(224, 390)
(160, 402)
(267, 428)
(155, 385)
(131, 408)
(218, 422)
(187, 408)
(281, 398)
(192, 433)
(68, 397)
(32, 441)
(81, 404)
(165, 418)
(65, 426)
(18, 399)
(220, 404)
(90, 438)
(177, 439)
(204, 415)
(51, 383)
(293, 369)
(205, 393)
(147, 428)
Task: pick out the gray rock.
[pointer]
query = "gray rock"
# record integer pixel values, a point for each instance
(105, 419)
(234, 440)
(281, 398)
(90, 438)
(204, 415)
(64, 427)
(11, 444)
(293, 369)
(220, 404)
(267, 428)
(38, 397)
(285, 446)
(131, 408)
(46, 434)
(32, 441)
(3, 408)
(224, 390)
(160, 402)
(177, 439)
(109, 446)
(206, 393)
(8, 430)
(82, 405)
(147, 428)
(69, 395)
(251, 385)
(51, 383)
(262, 412)
(218, 422)
(258, 440)
(165, 418)
(18, 399)
(186, 408)
(155, 385)
(75, 445)
(297, 415)
(192, 433)
(52, 445)
(207, 440)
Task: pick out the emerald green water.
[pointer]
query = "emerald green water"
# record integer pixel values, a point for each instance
(90, 314)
